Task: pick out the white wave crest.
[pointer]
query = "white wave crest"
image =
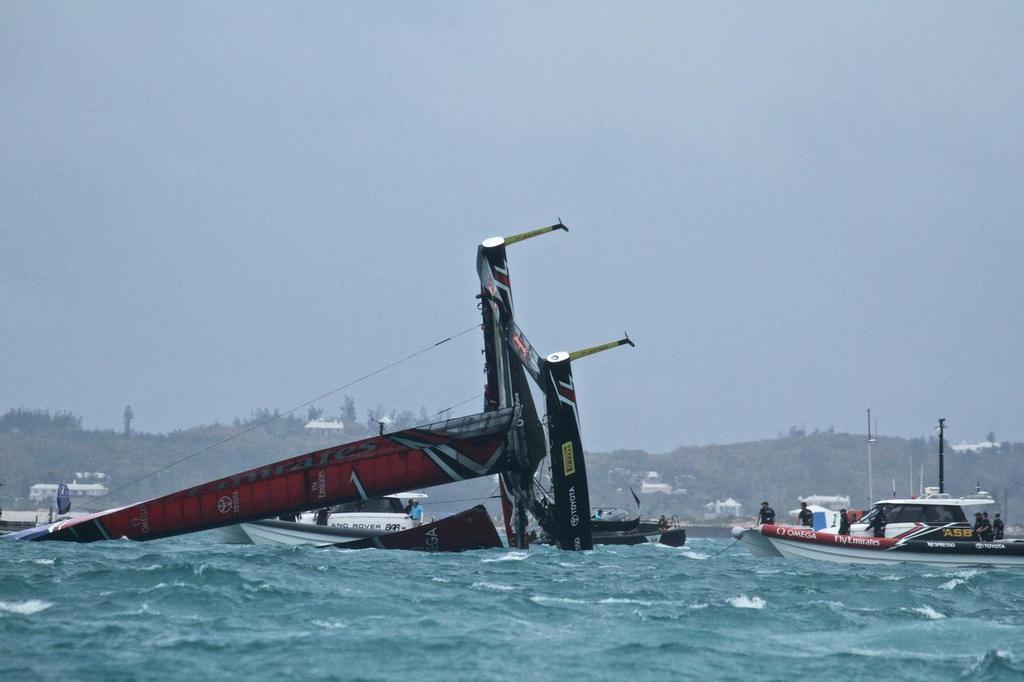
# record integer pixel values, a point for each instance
(329, 624)
(511, 556)
(745, 602)
(540, 599)
(620, 600)
(25, 608)
(928, 612)
(44, 562)
(497, 587)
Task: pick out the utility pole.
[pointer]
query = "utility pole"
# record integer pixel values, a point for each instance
(942, 475)
(128, 416)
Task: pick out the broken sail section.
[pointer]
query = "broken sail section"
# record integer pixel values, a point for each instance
(454, 450)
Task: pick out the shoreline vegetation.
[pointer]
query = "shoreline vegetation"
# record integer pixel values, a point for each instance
(39, 447)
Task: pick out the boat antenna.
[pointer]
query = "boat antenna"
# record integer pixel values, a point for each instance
(942, 476)
(871, 491)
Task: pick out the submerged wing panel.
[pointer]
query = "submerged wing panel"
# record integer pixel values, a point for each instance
(462, 448)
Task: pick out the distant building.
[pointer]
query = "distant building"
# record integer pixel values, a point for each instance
(833, 502)
(325, 425)
(976, 447)
(652, 484)
(727, 509)
(47, 492)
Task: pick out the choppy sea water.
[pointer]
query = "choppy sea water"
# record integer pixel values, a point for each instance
(193, 608)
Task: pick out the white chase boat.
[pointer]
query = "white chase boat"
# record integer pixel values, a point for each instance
(345, 522)
(931, 529)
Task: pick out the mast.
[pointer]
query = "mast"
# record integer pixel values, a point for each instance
(942, 473)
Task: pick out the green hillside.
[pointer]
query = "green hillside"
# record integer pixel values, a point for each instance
(781, 469)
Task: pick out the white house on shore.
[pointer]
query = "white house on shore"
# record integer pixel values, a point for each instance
(833, 502)
(325, 427)
(47, 493)
(652, 484)
(976, 447)
(723, 509)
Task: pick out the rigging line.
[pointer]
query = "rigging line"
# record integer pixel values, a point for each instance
(459, 404)
(722, 551)
(253, 427)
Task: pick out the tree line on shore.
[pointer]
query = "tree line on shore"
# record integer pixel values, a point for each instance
(37, 446)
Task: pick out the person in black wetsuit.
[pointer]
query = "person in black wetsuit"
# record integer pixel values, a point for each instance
(765, 515)
(998, 527)
(844, 523)
(878, 523)
(806, 515)
(983, 528)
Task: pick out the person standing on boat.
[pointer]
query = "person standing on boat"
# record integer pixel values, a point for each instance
(766, 515)
(998, 527)
(806, 515)
(416, 513)
(878, 523)
(844, 523)
(983, 528)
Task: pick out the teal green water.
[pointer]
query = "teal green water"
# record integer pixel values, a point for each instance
(190, 608)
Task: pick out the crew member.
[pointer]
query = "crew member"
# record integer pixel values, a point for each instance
(878, 523)
(416, 513)
(322, 515)
(844, 523)
(766, 514)
(806, 515)
(983, 528)
(662, 523)
(998, 527)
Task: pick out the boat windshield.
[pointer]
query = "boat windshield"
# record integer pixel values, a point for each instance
(917, 513)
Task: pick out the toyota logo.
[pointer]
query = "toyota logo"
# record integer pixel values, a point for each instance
(224, 505)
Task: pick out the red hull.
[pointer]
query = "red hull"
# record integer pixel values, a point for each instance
(471, 529)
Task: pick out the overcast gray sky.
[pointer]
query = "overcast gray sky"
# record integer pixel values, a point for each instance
(797, 210)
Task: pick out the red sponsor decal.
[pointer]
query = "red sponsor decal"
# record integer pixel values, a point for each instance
(804, 534)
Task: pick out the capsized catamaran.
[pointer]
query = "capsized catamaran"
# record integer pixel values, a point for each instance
(453, 450)
(508, 438)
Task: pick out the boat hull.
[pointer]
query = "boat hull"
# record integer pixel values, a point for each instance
(804, 543)
(471, 529)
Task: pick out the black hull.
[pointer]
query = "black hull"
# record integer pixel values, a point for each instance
(598, 526)
(471, 529)
(675, 537)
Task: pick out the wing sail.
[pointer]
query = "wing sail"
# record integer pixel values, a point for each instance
(458, 449)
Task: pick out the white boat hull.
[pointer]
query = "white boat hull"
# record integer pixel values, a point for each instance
(762, 545)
